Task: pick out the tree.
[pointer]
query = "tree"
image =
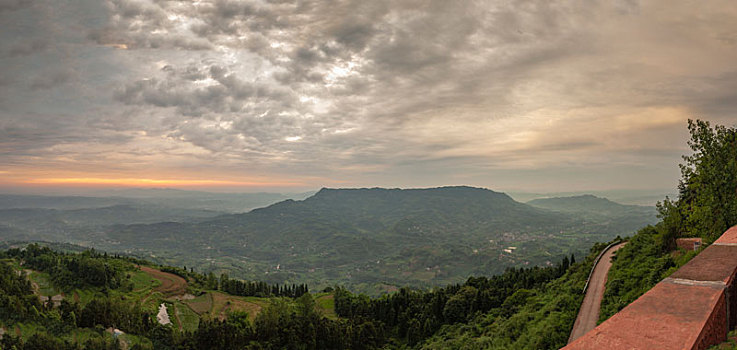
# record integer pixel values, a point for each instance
(707, 199)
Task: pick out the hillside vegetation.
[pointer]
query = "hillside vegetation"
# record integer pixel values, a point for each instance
(54, 300)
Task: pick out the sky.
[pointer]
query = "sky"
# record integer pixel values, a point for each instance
(286, 96)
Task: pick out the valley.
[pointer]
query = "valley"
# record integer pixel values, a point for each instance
(370, 240)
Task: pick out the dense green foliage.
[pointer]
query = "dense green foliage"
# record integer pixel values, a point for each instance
(415, 315)
(70, 271)
(730, 344)
(706, 207)
(260, 289)
(707, 201)
(636, 268)
(537, 318)
(409, 317)
(541, 318)
(238, 287)
(17, 301)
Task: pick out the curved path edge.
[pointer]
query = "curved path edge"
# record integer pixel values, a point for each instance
(588, 314)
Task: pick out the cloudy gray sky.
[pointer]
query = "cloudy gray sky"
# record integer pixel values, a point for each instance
(264, 95)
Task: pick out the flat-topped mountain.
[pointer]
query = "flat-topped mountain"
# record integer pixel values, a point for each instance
(370, 236)
(442, 210)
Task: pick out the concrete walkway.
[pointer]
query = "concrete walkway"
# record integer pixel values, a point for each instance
(588, 315)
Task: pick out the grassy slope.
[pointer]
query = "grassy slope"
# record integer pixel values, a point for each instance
(325, 305)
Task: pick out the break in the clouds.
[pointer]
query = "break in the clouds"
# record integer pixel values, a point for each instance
(539, 95)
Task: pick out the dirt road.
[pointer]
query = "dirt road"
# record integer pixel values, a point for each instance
(589, 312)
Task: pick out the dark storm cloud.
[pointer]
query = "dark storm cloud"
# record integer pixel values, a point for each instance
(29, 47)
(48, 80)
(21, 135)
(13, 5)
(193, 95)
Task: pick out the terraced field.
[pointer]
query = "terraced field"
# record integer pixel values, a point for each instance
(171, 284)
(152, 287)
(184, 317)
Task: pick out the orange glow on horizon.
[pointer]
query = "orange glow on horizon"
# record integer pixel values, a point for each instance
(135, 182)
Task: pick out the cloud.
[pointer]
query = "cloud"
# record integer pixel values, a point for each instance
(51, 79)
(13, 5)
(366, 90)
(29, 47)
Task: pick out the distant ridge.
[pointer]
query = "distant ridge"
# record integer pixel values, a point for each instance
(590, 204)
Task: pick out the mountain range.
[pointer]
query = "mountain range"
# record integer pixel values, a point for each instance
(371, 239)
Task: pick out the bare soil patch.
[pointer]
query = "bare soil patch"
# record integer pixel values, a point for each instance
(171, 284)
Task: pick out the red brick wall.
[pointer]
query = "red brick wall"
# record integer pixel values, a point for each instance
(715, 329)
(687, 243)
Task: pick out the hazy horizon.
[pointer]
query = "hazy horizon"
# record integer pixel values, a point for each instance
(623, 196)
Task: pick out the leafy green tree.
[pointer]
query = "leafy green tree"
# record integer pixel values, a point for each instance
(708, 189)
(459, 306)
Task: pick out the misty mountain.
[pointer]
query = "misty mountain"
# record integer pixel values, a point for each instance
(597, 209)
(369, 236)
(359, 237)
(117, 214)
(12, 201)
(627, 197)
(144, 197)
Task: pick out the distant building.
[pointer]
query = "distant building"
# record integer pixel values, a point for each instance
(688, 243)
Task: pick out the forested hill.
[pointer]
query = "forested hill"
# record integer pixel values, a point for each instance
(590, 204)
(369, 238)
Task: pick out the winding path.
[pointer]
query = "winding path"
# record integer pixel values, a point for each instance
(589, 312)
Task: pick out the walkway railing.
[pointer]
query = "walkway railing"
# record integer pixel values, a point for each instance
(596, 261)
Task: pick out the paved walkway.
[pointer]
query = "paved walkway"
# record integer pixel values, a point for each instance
(588, 315)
